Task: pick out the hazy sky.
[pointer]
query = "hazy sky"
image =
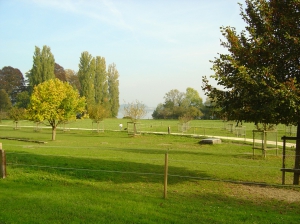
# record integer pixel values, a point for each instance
(157, 45)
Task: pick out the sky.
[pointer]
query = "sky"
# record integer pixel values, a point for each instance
(156, 45)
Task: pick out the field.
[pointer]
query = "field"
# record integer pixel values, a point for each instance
(109, 177)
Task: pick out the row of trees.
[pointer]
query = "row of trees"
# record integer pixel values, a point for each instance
(184, 105)
(100, 86)
(54, 94)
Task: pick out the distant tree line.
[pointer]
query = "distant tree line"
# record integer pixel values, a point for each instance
(185, 106)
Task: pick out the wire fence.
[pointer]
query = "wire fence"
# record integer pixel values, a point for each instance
(174, 164)
(229, 131)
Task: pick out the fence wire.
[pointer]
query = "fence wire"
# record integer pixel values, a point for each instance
(171, 161)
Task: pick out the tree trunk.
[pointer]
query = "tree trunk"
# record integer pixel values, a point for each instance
(297, 156)
(53, 133)
(16, 122)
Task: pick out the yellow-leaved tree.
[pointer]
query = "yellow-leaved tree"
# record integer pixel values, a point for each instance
(55, 101)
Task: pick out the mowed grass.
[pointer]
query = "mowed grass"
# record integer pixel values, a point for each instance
(197, 127)
(109, 177)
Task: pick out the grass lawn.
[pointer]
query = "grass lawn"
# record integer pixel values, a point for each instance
(109, 177)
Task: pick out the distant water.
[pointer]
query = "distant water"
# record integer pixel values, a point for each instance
(148, 115)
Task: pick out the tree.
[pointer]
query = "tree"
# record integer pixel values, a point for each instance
(16, 114)
(113, 89)
(160, 112)
(97, 113)
(5, 104)
(86, 75)
(260, 74)
(42, 68)
(22, 99)
(179, 104)
(56, 102)
(210, 110)
(135, 110)
(101, 85)
(12, 81)
(193, 98)
(72, 79)
(60, 72)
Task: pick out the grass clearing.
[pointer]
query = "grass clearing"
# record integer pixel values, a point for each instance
(108, 177)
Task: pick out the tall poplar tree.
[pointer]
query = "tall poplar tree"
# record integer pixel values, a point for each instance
(86, 75)
(113, 89)
(260, 76)
(101, 86)
(43, 66)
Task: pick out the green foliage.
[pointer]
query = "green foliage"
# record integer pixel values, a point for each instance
(56, 102)
(98, 85)
(211, 110)
(260, 75)
(17, 114)
(101, 85)
(23, 99)
(86, 75)
(43, 66)
(113, 89)
(5, 103)
(180, 105)
(97, 112)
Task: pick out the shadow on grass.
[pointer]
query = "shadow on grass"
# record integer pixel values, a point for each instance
(98, 169)
(163, 151)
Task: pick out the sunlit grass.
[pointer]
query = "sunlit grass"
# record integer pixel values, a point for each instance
(109, 177)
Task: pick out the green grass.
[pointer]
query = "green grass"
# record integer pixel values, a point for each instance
(109, 177)
(198, 127)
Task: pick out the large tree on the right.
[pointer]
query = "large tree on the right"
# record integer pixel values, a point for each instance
(259, 77)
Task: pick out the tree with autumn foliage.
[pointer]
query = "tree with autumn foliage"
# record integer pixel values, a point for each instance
(12, 81)
(259, 78)
(56, 102)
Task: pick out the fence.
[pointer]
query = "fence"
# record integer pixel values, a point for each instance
(232, 131)
(174, 172)
(2, 162)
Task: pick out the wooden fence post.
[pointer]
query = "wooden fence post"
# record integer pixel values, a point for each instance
(2, 162)
(166, 176)
(283, 160)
